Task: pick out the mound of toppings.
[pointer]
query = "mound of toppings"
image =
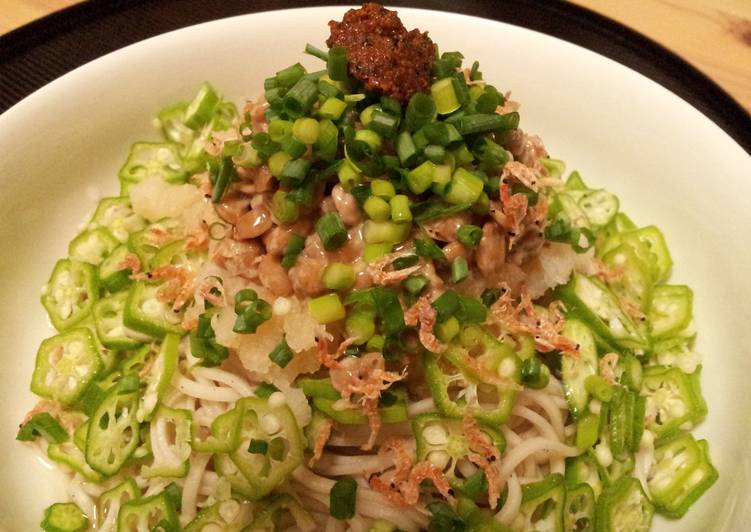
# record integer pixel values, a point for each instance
(382, 54)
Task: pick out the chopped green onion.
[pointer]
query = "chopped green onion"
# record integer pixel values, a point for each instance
(400, 208)
(487, 122)
(441, 134)
(435, 153)
(295, 245)
(224, 176)
(251, 312)
(343, 496)
(284, 209)
(248, 157)
(490, 296)
(462, 155)
(389, 309)
(405, 148)
(366, 115)
(281, 355)
(435, 208)
(447, 329)
(42, 424)
(371, 138)
(421, 110)
(337, 63)
(306, 130)
(535, 374)
(382, 188)
(332, 108)
(471, 310)
(474, 73)
(426, 247)
(489, 100)
(469, 235)
(339, 276)
(444, 95)
(419, 179)
(263, 144)
(201, 109)
(290, 75)
(332, 231)
(377, 209)
(294, 172)
(276, 163)
(377, 232)
(354, 98)
(405, 262)
(416, 283)
(459, 270)
(300, 98)
(316, 52)
(383, 123)
(347, 174)
(446, 305)
(328, 140)
(373, 251)
(279, 129)
(465, 187)
(327, 308)
(293, 147)
(599, 388)
(265, 389)
(376, 343)
(258, 446)
(391, 105)
(360, 326)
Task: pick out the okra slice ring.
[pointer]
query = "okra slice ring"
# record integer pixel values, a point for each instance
(177, 254)
(70, 293)
(442, 441)
(223, 435)
(671, 310)
(159, 377)
(173, 460)
(146, 313)
(591, 301)
(71, 454)
(673, 400)
(114, 273)
(579, 508)
(271, 514)
(275, 425)
(113, 432)
(117, 216)
(637, 280)
(681, 474)
(141, 513)
(65, 365)
(623, 505)
(92, 246)
(111, 500)
(575, 370)
(146, 243)
(229, 514)
(457, 378)
(110, 329)
(151, 159)
(543, 504)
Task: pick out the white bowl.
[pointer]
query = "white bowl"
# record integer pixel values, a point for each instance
(669, 164)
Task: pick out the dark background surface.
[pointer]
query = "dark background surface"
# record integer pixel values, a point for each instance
(37, 53)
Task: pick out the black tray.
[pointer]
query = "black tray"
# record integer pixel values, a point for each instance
(37, 53)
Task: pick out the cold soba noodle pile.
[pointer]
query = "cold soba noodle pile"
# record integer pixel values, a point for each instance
(367, 301)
